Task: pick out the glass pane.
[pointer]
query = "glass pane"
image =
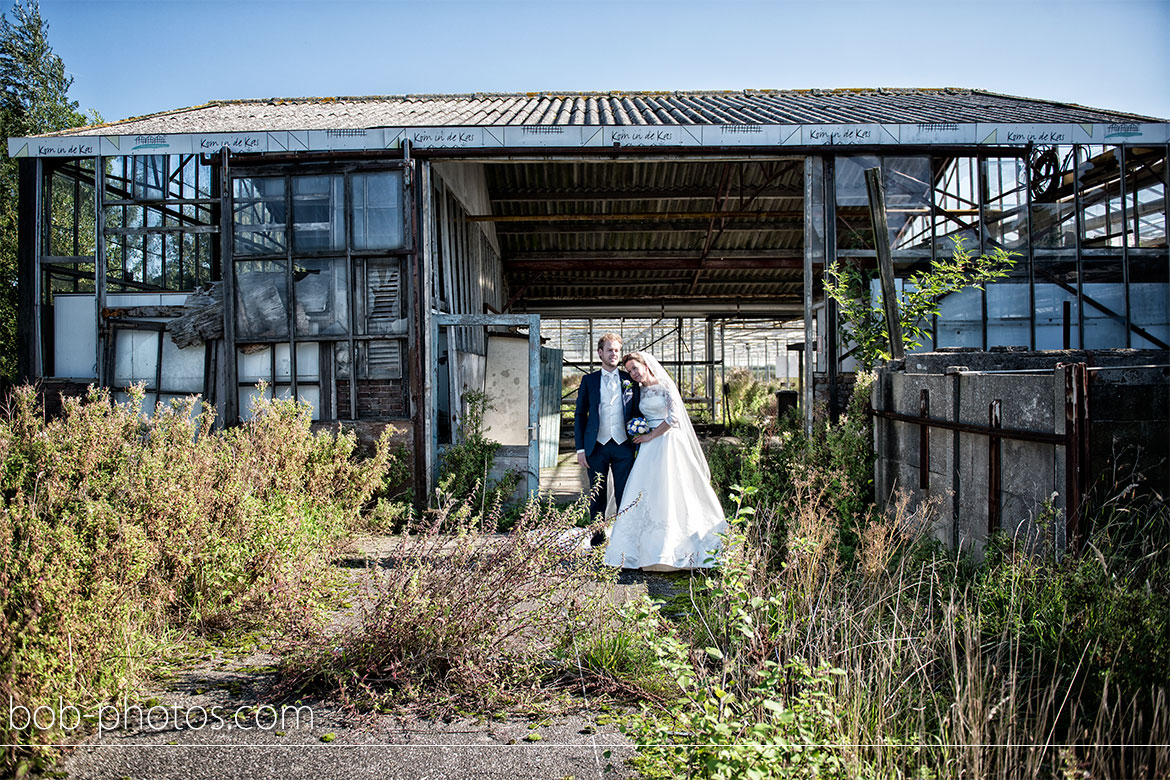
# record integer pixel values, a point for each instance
(907, 184)
(247, 398)
(1145, 195)
(150, 177)
(1099, 179)
(254, 365)
(320, 289)
(1057, 312)
(311, 395)
(960, 319)
(341, 360)
(854, 230)
(261, 300)
(308, 362)
(1104, 296)
(135, 357)
(318, 213)
(956, 197)
(1149, 300)
(259, 216)
(1005, 201)
(1008, 307)
(377, 211)
(149, 401)
(182, 369)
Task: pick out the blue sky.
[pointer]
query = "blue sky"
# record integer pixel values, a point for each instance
(135, 57)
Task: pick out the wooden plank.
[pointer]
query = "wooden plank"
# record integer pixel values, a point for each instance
(881, 232)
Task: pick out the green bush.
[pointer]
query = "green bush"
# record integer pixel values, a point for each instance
(120, 529)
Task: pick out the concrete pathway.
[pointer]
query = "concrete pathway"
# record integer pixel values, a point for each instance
(218, 720)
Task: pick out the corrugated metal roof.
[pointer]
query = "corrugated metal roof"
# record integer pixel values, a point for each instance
(747, 107)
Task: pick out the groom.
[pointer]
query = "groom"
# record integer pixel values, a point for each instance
(606, 401)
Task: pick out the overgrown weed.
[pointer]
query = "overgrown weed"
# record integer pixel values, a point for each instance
(460, 617)
(120, 530)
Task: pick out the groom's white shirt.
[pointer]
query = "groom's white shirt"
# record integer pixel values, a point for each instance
(611, 418)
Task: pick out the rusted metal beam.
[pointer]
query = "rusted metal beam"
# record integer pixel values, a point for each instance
(983, 430)
(994, 452)
(1076, 461)
(924, 441)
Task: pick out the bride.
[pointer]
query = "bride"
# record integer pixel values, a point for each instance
(670, 516)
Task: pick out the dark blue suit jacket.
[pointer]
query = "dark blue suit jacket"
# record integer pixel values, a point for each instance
(587, 419)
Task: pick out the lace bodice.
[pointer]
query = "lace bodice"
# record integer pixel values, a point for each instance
(657, 404)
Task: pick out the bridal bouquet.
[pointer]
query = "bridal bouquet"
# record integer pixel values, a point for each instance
(637, 426)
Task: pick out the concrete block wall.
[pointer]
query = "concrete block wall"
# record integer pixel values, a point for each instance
(1129, 432)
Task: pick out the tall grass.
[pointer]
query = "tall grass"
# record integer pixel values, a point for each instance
(119, 530)
(1018, 667)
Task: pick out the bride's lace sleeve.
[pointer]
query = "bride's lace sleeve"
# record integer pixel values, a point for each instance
(674, 408)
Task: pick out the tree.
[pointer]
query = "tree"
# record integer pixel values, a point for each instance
(34, 100)
(864, 322)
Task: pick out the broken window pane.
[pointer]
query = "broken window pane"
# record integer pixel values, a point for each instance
(259, 216)
(69, 218)
(854, 229)
(1005, 200)
(1145, 196)
(318, 213)
(320, 289)
(377, 211)
(261, 299)
(956, 200)
(907, 184)
(341, 360)
(380, 359)
(1099, 179)
(379, 299)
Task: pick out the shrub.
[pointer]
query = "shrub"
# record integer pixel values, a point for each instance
(460, 619)
(120, 529)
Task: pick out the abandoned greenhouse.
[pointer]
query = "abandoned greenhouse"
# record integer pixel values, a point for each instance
(379, 257)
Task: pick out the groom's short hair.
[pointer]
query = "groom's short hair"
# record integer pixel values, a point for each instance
(608, 337)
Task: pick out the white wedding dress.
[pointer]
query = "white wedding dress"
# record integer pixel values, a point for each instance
(670, 516)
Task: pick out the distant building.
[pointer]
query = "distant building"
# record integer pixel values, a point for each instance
(360, 253)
